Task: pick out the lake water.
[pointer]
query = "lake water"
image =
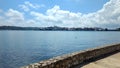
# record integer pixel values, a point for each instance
(19, 48)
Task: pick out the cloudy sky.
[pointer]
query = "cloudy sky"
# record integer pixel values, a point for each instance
(68, 13)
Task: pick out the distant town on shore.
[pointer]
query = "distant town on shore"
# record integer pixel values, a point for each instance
(57, 28)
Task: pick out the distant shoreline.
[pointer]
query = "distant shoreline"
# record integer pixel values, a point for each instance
(56, 28)
(60, 30)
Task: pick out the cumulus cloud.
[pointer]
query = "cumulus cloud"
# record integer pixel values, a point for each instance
(28, 5)
(56, 16)
(14, 15)
(16, 18)
(108, 16)
(11, 17)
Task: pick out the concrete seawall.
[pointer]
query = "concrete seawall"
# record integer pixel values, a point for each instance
(68, 60)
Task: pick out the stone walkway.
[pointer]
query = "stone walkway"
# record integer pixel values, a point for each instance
(112, 61)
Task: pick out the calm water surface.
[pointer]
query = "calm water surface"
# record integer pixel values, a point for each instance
(19, 48)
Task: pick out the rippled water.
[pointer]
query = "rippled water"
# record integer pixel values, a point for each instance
(19, 48)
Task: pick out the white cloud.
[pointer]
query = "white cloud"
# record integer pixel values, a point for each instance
(24, 7)
(56, 16)
(15, 18)
(109, 14)
(14, 15)
(31, 5)
(27, 6)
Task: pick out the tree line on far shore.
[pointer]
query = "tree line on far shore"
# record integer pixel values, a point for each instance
(57, 28)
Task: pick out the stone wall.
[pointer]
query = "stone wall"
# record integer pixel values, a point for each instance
(66, 61)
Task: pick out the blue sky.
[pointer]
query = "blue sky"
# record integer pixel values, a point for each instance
(83, 6)
(69, 13)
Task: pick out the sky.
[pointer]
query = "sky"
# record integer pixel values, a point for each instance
(65, 13)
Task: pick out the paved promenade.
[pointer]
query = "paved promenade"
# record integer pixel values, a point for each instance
(112, 61)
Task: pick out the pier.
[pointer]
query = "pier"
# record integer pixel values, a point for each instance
(83, 59)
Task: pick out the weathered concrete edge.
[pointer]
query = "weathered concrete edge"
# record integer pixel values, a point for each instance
(68, 60)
